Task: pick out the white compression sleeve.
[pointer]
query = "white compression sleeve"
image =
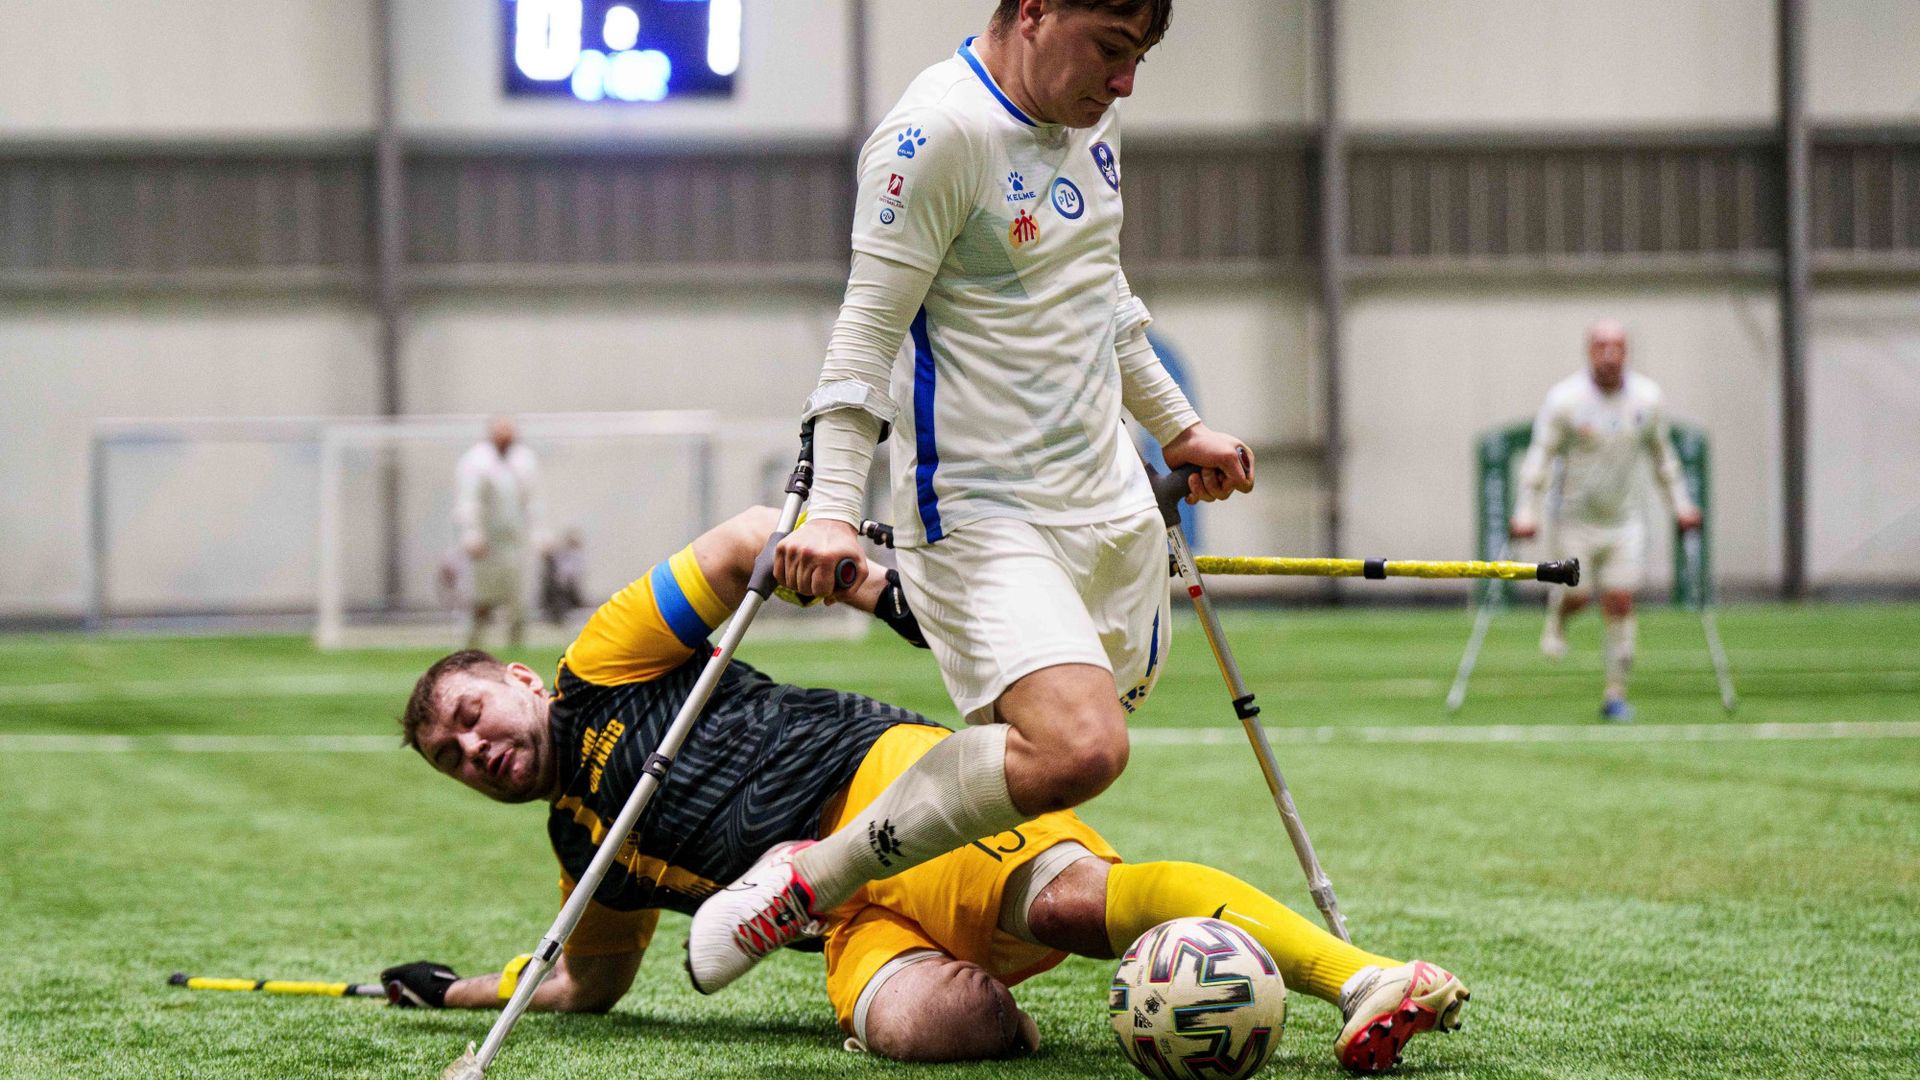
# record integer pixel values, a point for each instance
(1147, 391)
(954, 794)
(881, 300)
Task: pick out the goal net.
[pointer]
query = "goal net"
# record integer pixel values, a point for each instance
(344, 525)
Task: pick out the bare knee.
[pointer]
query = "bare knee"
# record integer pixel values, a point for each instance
(1071, 912)
(1617, 604)
(946, 1010)
(1044, 775)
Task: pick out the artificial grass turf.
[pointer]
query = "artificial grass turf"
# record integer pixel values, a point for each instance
(1728, 908)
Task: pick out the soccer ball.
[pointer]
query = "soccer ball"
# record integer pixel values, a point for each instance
(1197, 999)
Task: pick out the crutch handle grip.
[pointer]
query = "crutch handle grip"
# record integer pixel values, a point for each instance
(1169, 489)
(1564, 572)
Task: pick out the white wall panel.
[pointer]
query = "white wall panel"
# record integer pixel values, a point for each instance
(1863, 60)
(64, 365)
(1428, 371)
(1225, 65)
(1863, 467)
(793, 80)
(1457, 64)
(185, 68)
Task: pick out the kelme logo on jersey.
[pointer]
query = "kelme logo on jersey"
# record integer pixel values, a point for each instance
(1067, 200)
(910, 140)
(1017, 189)
(1109, 168)
(1024, 229)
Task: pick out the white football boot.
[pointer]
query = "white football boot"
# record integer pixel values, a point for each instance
(1387, 1007)
(768, 908)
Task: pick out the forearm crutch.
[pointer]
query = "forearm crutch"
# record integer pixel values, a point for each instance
(1482, 619)
(1690, 544)
(472, 1065)
(1168, 490)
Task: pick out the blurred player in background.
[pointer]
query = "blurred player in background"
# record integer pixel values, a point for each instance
(563, 570)
(987, 230)
(1602, 425)
(918, 965)
(497, 513)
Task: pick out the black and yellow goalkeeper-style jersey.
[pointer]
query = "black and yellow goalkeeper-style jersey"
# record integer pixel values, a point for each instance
(759, 766)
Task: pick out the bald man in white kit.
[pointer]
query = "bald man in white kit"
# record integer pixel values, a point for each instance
(1601, 423)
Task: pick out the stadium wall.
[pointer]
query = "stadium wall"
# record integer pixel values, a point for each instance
(144, 78)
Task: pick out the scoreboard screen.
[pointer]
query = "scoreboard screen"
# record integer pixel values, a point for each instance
(621, 50)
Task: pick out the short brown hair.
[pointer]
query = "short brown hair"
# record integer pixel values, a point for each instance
(419, 712)
(1009, 10)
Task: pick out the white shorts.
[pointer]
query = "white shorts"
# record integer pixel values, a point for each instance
(1001, 598)
(499, 578)
(1613, 558)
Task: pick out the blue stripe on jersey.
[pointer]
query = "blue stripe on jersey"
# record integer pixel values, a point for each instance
(966, 53)
(675, 608)
(927, 454)
(1153, 647)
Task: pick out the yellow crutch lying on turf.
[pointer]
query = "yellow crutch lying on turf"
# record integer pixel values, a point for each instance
(278, 986)
(472, 1065)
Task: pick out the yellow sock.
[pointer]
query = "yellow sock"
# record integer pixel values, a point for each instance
(1141, 896)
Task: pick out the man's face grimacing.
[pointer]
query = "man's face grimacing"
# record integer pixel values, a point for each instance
(1083, 59)
(489, 731)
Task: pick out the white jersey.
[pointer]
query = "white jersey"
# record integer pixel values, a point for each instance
(1009, 390)
(497, 497)
(1603, 438)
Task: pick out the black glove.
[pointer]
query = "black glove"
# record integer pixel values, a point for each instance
(419, 985)
(891, 608)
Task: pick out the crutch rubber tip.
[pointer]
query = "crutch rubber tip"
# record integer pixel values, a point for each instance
(846, 573)
(1565, 572)
(178, 978)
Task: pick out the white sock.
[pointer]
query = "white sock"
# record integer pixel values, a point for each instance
(1556, 613)
(1620, 635)
(956, 793)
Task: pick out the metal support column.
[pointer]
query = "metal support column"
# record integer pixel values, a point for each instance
(389, 257)
(1333, 267)
(1797, 160)
(859, 67)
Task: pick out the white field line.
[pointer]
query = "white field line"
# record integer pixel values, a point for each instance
(397, 686)
(1494, 734)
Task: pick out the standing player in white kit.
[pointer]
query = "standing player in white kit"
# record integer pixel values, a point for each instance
(1603, 423)
(987, 227)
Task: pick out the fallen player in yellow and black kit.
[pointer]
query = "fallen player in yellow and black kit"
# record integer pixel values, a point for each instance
(918, 965)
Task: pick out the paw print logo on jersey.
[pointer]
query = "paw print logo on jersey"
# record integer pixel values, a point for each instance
(910, 141)
(1017, 189)
(1015, 182)
(1024, 229)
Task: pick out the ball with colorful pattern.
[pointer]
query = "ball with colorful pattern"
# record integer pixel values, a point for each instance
(1197, 999)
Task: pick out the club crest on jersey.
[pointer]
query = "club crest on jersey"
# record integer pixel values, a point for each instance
(1109, 168)
(1017, 189)
(1067, 200)
(1024, 229)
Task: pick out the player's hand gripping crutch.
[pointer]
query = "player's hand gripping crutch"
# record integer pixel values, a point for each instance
(1168, 490)
(1690, 544)
(473, 1064)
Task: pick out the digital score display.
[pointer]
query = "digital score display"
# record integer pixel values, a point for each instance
(621, 50)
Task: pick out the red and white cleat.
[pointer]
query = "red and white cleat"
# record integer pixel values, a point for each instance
(768, 908)
(1386, 1008)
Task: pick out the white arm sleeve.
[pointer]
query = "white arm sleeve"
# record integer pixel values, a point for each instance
(466, 502)
(1666, 464)
(1536, 467)
(1147, 391)
(853, 400)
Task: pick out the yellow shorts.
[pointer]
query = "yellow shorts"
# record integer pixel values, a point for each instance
(950, 904)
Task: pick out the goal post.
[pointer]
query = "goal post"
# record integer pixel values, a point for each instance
(1497, 455)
